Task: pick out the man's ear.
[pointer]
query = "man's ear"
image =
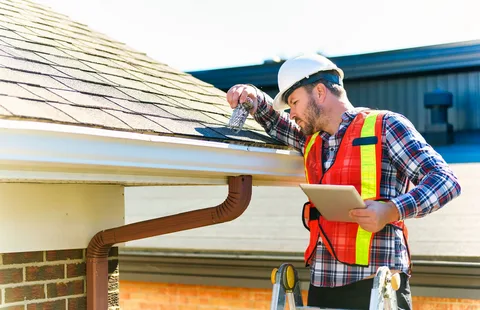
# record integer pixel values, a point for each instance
(321, 92)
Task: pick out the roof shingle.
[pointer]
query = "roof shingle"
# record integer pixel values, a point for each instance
(54, 69)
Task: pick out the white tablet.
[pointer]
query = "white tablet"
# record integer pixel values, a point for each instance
(334, 201)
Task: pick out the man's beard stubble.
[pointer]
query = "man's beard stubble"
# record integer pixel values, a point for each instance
(312, 119)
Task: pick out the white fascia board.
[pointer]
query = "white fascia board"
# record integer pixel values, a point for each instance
(54, 153)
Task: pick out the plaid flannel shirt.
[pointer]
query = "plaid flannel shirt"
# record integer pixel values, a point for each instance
(406, 156)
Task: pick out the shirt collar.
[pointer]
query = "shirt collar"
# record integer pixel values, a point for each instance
(347, 118)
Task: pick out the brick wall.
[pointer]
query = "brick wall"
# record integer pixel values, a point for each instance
(50, 280)
(163, 296)
(432, 303)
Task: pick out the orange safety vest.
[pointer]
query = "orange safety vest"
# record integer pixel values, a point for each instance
(359, 163)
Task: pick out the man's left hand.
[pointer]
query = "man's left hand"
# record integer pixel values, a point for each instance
(375, 216)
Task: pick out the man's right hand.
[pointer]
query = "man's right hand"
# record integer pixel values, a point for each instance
(239, 93)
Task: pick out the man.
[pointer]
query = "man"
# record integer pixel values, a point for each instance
(379, 152)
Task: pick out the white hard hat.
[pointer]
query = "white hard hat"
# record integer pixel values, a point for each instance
(299, 68)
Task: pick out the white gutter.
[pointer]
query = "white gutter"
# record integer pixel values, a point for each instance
(45, 152)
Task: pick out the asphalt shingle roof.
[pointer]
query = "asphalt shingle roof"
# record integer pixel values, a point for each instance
(56, 70)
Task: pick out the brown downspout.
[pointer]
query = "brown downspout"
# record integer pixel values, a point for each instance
(239, 194)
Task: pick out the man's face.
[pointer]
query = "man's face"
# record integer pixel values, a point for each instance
(305, 110)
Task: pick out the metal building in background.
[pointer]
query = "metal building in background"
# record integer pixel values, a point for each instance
(394, 80)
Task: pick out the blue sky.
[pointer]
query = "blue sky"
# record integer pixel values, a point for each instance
(205, 34)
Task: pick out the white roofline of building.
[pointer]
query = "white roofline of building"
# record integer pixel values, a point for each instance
(55, 153)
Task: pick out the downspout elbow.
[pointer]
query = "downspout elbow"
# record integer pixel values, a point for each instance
(237, 201)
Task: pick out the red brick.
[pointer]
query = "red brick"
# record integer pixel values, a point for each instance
(39, 273)
(20, 293)
(65, 288)
(49, 305)
(143, 295)
(22, 258)
(64, 254)
(79, 303)
(14, 275)
(76, 270)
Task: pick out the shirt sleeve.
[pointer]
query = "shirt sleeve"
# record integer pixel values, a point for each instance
(435, 183)
(278, 125)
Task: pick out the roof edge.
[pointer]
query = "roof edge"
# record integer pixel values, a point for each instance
(54, 153)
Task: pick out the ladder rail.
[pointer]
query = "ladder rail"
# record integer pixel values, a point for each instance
(286, 289)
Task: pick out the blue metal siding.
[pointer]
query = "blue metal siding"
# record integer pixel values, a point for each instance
(420, 60)
(405, 96)
(393, 80)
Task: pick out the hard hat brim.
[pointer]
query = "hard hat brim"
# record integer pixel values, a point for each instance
(278, 103)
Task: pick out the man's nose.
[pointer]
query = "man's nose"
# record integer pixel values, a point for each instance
(292, 113)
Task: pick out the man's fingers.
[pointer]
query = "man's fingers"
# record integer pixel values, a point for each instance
(359, 216)
(233, 95)
(364, 222)
(361, 212)
(236, 96)
(239, 94)
(247, 93)
(243, 97)
(368, 218)
(230, 97)
(367, 223)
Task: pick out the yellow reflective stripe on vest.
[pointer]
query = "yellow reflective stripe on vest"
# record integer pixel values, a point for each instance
(368, 166)
(368, 158)
(307, 150)
(362, 246)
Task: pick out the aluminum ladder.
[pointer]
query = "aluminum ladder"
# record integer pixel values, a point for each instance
(286, 289)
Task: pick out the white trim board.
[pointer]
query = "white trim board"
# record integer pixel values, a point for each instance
(54, 153)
